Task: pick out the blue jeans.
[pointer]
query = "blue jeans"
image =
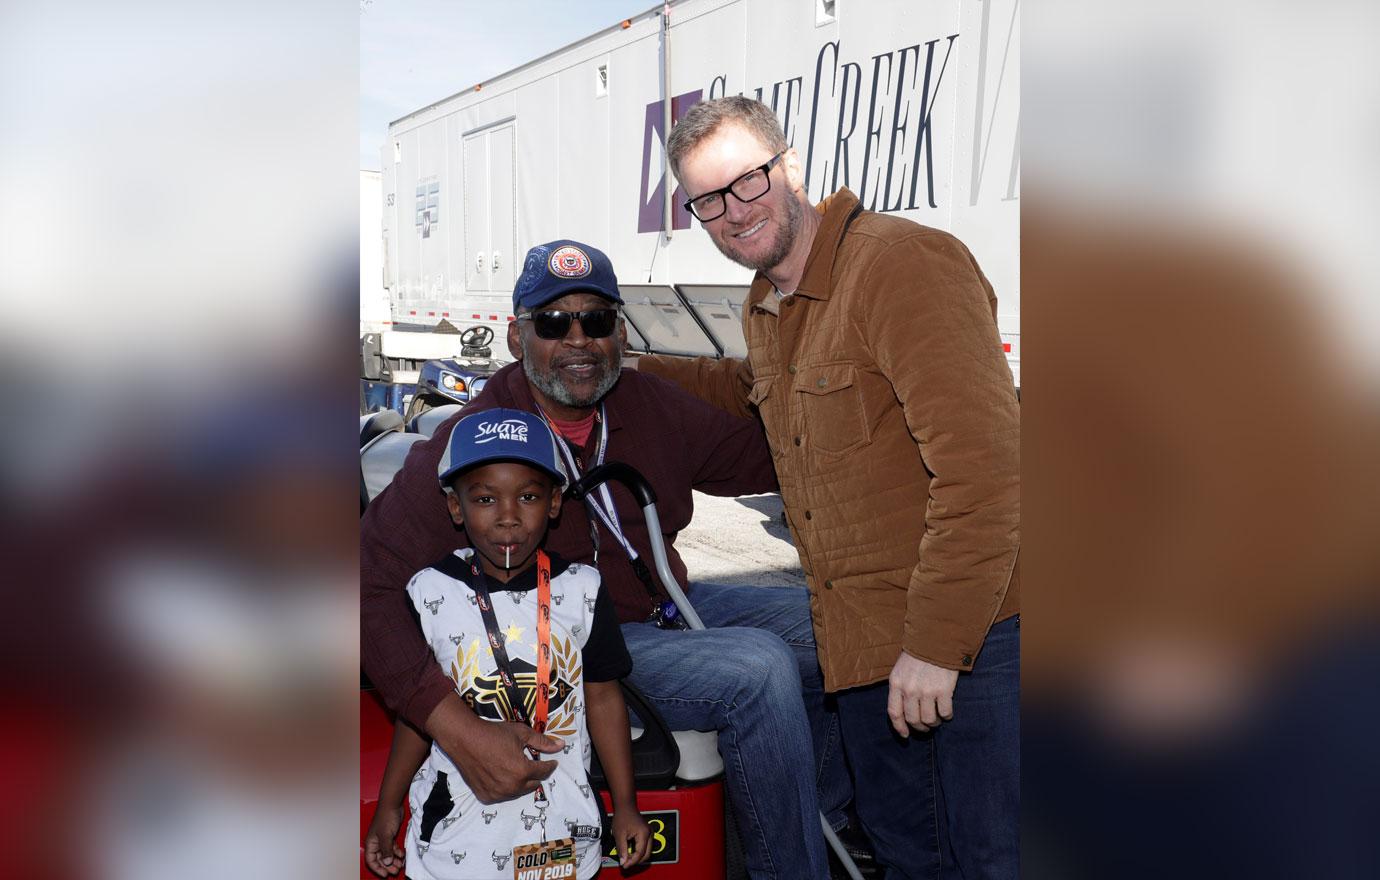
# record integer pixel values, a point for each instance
(754, 677)
(945, 803)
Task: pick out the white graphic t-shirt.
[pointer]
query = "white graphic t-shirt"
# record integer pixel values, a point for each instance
(451, 834)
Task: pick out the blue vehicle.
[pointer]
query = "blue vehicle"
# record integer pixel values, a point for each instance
(390, 383)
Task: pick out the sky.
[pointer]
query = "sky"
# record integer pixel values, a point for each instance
(415, 52)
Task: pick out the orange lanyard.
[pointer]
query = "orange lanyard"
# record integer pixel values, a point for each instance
(517, 706)
(543, 641)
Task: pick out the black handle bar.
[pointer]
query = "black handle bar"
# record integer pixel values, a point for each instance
(618, 471)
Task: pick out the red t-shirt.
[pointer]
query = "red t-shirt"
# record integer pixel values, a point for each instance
(576, 432)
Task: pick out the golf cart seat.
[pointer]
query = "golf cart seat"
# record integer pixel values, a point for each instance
(426, 423)
(700, 760)
(380, 460)
(376, 423)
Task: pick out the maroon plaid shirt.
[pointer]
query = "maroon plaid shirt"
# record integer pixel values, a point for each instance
(676, 441)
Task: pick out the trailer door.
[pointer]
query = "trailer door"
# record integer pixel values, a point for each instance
(502, 209)
(476, 188)
(490, 210)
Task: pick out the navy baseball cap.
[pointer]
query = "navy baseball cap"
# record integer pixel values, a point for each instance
(559, 267)
(500, 435)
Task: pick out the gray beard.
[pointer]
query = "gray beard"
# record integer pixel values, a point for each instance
(550, 383)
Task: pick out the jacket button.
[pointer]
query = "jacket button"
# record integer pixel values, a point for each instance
(967, 659)
(828, 585)
(807, 515)
(791, 369)
(797, 441)
(822, 382)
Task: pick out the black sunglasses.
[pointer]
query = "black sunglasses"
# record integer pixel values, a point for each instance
(596, 323)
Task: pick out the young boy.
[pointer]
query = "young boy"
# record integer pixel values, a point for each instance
(503, 618)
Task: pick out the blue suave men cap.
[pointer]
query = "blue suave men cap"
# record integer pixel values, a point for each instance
(556, 268)
(500, 435)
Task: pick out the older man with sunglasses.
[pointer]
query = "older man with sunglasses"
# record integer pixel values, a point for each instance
(753, 675)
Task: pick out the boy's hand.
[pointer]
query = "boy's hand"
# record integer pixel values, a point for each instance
(381, 853)
(633, 837)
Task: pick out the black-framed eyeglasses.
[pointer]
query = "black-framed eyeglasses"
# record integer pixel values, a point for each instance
(746, 188)
(555, 324)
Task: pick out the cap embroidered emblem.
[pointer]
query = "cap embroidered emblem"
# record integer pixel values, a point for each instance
(569, 262)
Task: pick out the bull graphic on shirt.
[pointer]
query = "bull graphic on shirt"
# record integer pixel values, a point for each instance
(487, 696)
(477, 680)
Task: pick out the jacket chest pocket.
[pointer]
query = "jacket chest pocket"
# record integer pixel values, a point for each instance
(831, 407)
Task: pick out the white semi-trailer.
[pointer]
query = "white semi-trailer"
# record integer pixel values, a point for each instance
(375, 311)
(912, 104)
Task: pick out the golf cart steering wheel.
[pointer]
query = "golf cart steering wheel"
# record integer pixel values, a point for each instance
(477, 337)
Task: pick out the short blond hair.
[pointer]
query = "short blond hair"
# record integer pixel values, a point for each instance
(703, 119)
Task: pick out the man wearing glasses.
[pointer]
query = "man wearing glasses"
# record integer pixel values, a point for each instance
(876, 368)
(753, 675)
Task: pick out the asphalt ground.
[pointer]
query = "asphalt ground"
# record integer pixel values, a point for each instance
(740, 541)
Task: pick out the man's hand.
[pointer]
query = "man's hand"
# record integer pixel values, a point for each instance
(491, 755)
(921, 694)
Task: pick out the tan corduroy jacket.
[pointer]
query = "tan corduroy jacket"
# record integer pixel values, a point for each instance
(894, 428)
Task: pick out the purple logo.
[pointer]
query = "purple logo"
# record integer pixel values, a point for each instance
(651, 204)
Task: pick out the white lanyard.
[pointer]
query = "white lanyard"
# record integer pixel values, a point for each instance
(606, 510)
